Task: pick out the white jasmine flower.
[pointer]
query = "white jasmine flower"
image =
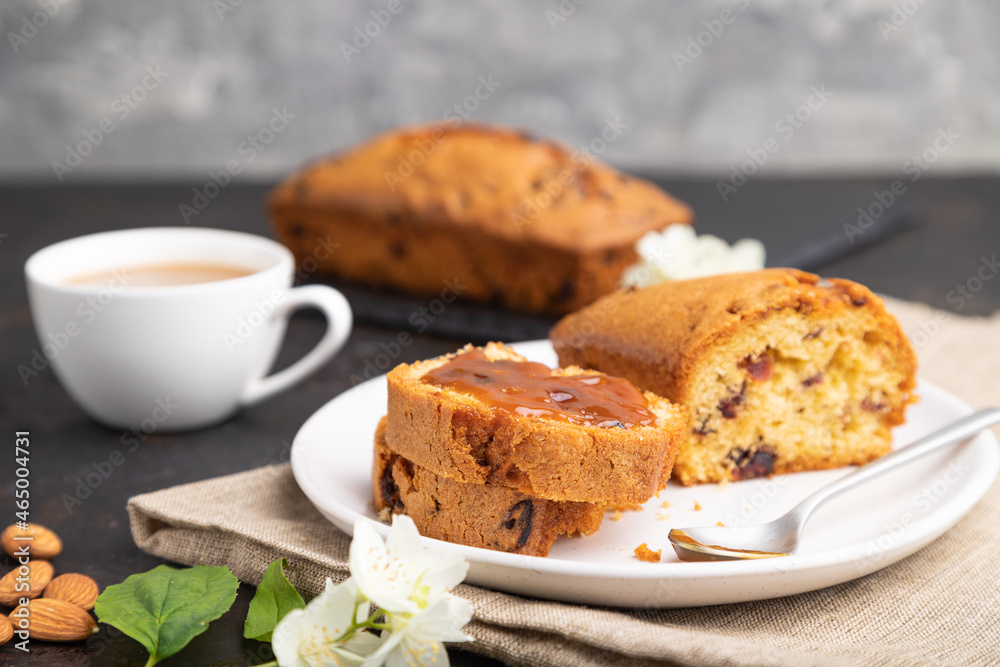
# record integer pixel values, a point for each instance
(677, 253)
(414, 610)
(324, 633)
(415, 639)
(399, 575)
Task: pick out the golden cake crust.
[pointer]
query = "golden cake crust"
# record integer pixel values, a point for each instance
(660, 338)
(523, 222)
(658, 333)
(458, 436)
(477, 515)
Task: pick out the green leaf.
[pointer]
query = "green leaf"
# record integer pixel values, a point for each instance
(275, 597)
(164, 609)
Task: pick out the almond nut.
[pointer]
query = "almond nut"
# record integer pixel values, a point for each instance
(53, 621)
(6, 631)
(42, 543)
(25, 581)
(78, 589)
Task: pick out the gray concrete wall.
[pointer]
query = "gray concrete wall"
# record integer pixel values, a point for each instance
(178, 88)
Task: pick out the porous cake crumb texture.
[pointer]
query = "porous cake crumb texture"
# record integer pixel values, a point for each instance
(778, 371)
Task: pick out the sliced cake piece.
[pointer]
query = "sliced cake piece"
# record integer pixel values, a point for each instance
(478, 515)
(779, 371)
(488, 415)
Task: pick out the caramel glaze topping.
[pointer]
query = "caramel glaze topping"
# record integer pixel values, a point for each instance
(529, 389)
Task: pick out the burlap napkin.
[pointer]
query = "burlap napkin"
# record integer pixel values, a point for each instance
(939, 606)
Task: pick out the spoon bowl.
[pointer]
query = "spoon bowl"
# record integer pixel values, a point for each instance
(781, 537)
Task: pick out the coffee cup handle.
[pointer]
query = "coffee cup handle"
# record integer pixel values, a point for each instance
(339, 320)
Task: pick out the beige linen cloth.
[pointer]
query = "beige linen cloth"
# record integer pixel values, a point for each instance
(939, 606)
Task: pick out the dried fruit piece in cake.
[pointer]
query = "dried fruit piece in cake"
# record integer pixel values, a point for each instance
(779, 371)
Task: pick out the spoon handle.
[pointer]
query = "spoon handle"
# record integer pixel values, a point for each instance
(955, 431)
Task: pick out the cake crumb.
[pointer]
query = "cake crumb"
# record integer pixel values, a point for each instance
(697, 506)
(644, 553)
(624, 508)
(661, 516)
(720, 524)
(617, 516)
(665, 504)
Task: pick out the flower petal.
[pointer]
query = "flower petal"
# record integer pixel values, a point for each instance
(313, 636)
(330, 613)
(404, 538)
(443, 620)
(285, 640)
(367, 548)
(386, 580)
(417, 639)
(443, 570)
(419, 653)
(399, 575)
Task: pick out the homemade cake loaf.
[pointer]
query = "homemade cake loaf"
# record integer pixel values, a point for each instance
(779, 371)
(478, 515)
(486, 415)
(482, 212)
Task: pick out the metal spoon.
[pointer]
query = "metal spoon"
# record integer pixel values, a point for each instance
(781, 536)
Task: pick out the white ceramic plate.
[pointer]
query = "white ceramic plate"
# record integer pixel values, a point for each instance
(854, 535)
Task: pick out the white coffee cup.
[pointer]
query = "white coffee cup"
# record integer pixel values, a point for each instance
(173, 357)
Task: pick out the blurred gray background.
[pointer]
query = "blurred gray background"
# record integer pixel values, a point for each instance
(175, 90)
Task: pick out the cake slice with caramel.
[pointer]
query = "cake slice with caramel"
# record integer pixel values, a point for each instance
(486, 415)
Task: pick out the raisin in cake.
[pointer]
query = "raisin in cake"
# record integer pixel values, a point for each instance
(482, 211)
(478, 515)
(486, 415)
(779, 371)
